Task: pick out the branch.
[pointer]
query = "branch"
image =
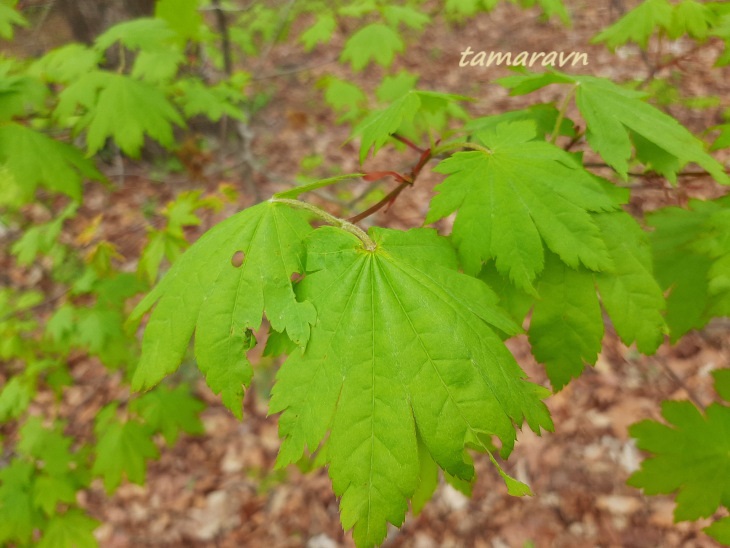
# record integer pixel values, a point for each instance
(389, 199)
(222, 22)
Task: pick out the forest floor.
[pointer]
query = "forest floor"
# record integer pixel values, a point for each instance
(219, 489)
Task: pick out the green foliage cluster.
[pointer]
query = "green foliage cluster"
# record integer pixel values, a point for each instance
(396, 369)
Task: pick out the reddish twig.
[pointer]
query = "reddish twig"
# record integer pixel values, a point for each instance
(387, 201)
(407, 142)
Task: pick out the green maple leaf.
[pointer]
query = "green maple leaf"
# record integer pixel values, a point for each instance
(402, 350)
(49, 446)
(630, 293)
(15, 397)
(714, 243)
(18, 517)
(550, 8)
(723, 140)
(122, 449)
(691, 457)
(19, 95)
(613, 113)
(63, 167)
(9, 17)
(170, 411)
(517, 196)
(566, 329)
(343, 96)
(691, 18)
(320, 32)
(213, 101)
(687, 250)
(374, 42)
(410, 17)
(66, 63)
(394, 86)
(182, 16)
(380, 125)
(48, 491)
(144, 34)
(205, 293)
(73, 528)
(637, 25)
(720, 530)
(122, 108)
(544, 116)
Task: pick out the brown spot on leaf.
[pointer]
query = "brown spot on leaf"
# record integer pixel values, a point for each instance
(238, 258)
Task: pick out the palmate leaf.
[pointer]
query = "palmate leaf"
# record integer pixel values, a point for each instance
(63, 167)
(612, 113)
(403, 349)
(637, 25)
(691, 457)
(630, 293)
(515, 197)
(119, 107)
(74, 528)
(566, 329)
(687, 247)
(220, 288)
(380, 125)
(10, 17)
(122, 449)
(360, 51)
(170, 411)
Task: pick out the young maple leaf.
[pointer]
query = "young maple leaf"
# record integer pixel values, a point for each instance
(689, 260)
(119, 107)
(637, 25)
(360, 51)
(170, 411)
(691, 458)
(613, 114)
(516, 196)
(379, 125)
(63, 167)
(222, 302)
(122, 449)
(403, 349)
(73, 528)
(566, 329)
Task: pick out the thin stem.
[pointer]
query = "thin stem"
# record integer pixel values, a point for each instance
(347, 226)
(296, 191)
(407, 142)
(561, 114)
(222, 23)
(389, 198)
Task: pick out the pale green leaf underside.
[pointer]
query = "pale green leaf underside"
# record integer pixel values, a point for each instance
(394, 357)
(205, 293)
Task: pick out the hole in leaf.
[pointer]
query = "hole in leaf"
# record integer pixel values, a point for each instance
(238, 258)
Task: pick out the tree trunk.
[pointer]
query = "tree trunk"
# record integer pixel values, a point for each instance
(89, 18)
